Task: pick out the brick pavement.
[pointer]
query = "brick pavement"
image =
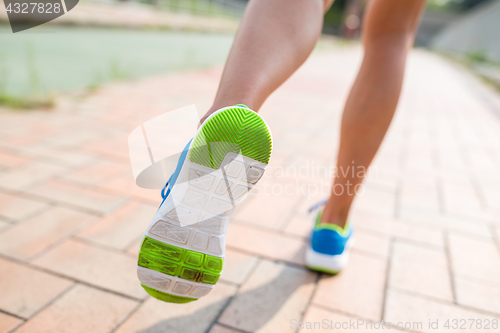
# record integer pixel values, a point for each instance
(428, 223)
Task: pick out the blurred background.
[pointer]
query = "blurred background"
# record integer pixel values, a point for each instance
(127, 39)
(72, 218)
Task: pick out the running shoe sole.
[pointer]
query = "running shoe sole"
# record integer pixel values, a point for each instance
(181, 264)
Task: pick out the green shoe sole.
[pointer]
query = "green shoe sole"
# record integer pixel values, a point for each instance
(179, 264)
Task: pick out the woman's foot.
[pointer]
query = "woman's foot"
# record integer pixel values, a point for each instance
(329, 249)
(182, 252)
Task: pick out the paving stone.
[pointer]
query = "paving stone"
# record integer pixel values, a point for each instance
(386, 164)
(14, 207)
(271, 244)
(286, 291)
(307, 201)
(62, 155)
(478, 295)
(24, 141)
(421, 270)
(375, 202)
(81, 310)
(155, 316)
(29, 237)
(30, 175)
(126, 185)
(318, 320)
(396, 228)
(221, 329)
(97, 173)
(121, 228)
(300, 225)
(354, 290)
(308, 163)
(367, 242)
(496, 232)
(419, 158)
(91, 200)
(133, 249)
(460, 199)
(386, 183)
(419, 197)
(416, 312)
(11, 160)
(477, 258)
(237, 266)
(25, 290)
(113, 147)
(4, 225)
(460, 224)
(103, 268)
(8, 323)
(266, 208)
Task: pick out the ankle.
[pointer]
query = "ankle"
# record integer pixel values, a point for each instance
(340, 221)
(335, 215)
(207, 114)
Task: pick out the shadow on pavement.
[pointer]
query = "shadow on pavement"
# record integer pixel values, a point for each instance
(252, 309)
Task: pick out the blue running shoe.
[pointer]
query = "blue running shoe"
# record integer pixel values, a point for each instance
(329, 249)
(182, 252)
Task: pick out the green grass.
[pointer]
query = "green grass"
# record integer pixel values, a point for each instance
(44, 61)
(471, 61)
(478, 56)
(27, 102)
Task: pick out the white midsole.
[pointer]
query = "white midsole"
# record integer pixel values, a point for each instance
(329, 262)
(168, 283)
(208, 213)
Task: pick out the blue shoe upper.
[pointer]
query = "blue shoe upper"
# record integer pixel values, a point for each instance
(171, 182)
(328, 238)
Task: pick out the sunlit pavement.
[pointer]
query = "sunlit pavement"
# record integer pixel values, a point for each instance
(427, 222)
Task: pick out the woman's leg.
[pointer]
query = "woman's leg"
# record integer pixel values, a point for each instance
(275, 37)
(388, 34)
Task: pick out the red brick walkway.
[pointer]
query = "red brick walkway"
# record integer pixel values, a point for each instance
(428, 223)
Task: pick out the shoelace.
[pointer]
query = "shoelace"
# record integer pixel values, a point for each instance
(163, 195)
(317, 205)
